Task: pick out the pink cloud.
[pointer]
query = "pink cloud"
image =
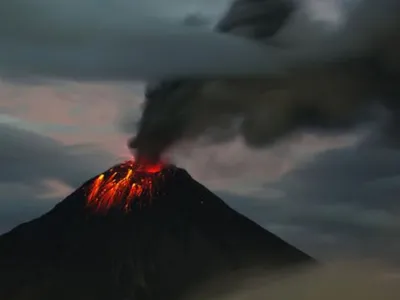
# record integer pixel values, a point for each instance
(72, 113)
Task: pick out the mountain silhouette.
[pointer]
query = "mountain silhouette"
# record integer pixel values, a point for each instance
(159, 248)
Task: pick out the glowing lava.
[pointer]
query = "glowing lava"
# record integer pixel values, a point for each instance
(122, 185)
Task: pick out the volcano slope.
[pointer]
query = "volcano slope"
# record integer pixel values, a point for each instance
(155, 247)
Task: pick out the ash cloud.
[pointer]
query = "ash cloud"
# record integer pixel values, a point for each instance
(330, 79)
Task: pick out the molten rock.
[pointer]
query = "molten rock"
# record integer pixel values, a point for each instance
(122, 185)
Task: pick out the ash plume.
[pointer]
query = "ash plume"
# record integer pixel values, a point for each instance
(329, 80)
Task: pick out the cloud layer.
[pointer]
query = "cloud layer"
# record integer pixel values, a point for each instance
(356, 281)
(38, 172)
(120, 40)
(343, 202)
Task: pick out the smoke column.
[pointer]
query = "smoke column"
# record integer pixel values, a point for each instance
(326, 82)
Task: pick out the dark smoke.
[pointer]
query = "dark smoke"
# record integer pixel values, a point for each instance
(327, 83)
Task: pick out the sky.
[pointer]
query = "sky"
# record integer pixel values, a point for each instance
(330, 195)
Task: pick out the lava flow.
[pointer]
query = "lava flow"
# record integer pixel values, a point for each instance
(123, 184)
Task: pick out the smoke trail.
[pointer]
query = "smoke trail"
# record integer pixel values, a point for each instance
(328, 82)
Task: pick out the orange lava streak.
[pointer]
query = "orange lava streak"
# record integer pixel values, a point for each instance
(127, 182)
(95, 187)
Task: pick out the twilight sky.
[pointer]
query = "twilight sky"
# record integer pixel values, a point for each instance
(331, 195)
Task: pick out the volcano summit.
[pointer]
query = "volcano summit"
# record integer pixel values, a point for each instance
(132, 233)
(124, 184)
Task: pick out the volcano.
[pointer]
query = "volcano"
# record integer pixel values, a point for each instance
(132, 233)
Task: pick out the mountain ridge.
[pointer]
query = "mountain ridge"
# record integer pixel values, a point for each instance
(157, 250)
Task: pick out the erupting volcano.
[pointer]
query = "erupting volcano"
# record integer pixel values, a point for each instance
(172, 235)
(125, 183)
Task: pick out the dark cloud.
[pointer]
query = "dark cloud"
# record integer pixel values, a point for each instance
(113, 41)
(29, 161)
(196, 20)
(21, 202)
(30, 157)
(344, 202)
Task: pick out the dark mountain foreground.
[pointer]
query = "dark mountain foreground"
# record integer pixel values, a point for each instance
(156, 247)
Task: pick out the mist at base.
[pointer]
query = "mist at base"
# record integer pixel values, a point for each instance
(331, 281)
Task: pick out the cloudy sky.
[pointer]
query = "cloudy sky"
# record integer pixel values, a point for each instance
(331, 196)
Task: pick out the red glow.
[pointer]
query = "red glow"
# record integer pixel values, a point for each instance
(121, 185)
(150, 168)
